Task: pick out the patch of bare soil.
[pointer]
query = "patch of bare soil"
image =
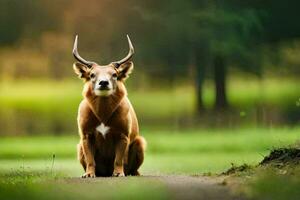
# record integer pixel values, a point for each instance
(178, 187)
(198, 187)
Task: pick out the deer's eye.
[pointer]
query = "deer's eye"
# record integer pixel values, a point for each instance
(92, 75)
(115, 75)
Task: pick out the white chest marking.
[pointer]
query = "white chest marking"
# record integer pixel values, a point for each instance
(103, 129)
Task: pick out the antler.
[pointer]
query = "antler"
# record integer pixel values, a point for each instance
(129, 55)
(78, 57)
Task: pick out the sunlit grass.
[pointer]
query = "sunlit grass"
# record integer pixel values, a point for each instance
(246, 92)
(28, 169)
(190, 152)
(50, 96)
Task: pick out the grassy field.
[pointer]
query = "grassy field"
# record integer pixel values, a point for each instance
(28, 169)
(44, 166)
(43, 95)
(43, 106)
(281, 185)
(192, 152)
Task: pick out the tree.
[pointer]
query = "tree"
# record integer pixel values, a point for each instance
(211, 34)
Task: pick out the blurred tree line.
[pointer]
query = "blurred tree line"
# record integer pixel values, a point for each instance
(174, 40)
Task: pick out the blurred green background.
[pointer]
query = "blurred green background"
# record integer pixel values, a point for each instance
(198, 64)
(215, 82)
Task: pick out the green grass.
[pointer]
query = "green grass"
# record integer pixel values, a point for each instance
(273, 92)
(28, 170)
(192, 152)
(269, 184)
(44, 96)
(43, 106)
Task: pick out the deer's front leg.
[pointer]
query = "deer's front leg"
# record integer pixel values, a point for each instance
(121, 156)
(88, 152)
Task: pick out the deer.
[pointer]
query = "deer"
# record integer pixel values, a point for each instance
(110, 144)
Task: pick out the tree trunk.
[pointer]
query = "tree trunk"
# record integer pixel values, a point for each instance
(220, 83)
(200, 59)
(199, 88)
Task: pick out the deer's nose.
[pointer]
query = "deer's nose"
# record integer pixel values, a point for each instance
(103, 83)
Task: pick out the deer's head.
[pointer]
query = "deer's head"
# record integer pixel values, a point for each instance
(103, 78)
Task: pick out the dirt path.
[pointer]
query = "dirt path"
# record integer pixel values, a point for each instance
(178, 187)
(198, 187)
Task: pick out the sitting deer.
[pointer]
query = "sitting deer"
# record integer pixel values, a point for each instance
(110, 144)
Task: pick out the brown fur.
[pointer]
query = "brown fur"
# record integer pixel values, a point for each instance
(121, 151)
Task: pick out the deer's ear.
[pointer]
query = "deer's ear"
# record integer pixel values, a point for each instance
(124, 70)
(81, 70)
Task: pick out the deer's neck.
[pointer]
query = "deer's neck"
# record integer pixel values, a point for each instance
(104, 107)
